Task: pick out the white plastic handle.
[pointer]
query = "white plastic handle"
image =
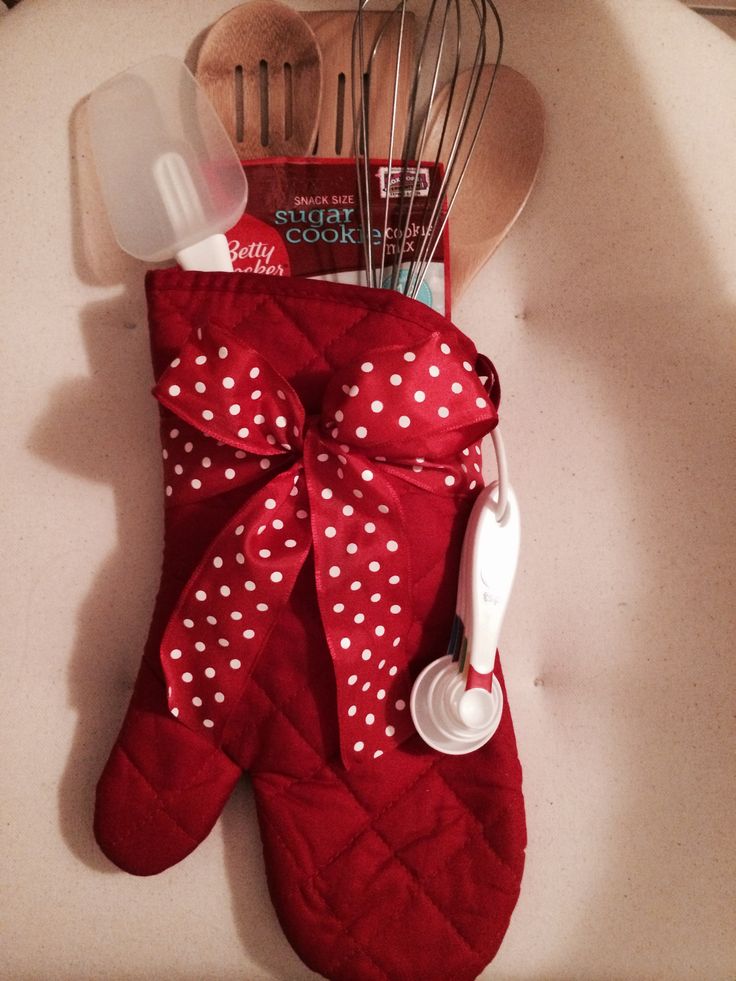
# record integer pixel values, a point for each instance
(492, 560)
(210, 255)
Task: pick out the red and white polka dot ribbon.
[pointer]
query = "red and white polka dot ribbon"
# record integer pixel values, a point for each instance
(400, 416)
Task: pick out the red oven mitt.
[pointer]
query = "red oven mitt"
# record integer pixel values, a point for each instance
(321, 455)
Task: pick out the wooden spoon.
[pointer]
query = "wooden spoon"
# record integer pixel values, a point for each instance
(501, 172)
(261, 67)
(334, 32)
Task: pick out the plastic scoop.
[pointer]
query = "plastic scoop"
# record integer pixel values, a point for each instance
(171, 180)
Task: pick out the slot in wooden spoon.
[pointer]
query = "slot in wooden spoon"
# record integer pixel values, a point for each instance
(261, 67)
(501, 172)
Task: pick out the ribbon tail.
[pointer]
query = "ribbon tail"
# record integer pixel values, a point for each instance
(231, 603)
(363, 578)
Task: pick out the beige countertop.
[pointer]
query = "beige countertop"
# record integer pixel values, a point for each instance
(611, 313)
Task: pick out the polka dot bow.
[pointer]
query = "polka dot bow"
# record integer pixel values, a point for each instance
(335, 485)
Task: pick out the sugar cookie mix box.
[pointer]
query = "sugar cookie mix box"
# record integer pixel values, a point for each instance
(303, 219)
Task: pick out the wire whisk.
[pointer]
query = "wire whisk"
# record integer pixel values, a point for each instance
(428, 140)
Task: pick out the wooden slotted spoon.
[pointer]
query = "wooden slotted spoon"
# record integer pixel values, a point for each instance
(501, 171)
(334, 33)
(261, 67)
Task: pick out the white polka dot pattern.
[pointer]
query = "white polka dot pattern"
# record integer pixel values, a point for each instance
(334, 488)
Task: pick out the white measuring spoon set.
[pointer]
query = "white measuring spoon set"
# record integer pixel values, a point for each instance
(456, 702)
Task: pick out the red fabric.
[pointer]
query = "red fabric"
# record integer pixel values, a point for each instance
(408, 865)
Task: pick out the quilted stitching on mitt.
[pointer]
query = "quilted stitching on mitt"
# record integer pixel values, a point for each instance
(406, 869)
